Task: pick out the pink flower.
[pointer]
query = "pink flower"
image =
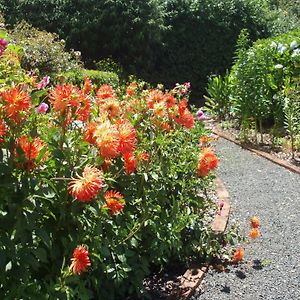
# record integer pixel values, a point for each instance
(200, 114)
(221, 205)
(42, 108)
(3, 46)
(45, 81)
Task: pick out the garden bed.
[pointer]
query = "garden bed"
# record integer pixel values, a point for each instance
(178, 282)
(275, 151)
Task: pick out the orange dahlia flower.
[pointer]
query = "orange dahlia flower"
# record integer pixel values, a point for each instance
(207, 162)
(82, 112)
(105, 91)
(87, 86)
(254, 233)
(31, 150)
(155, 96)
(16, 104)
(86, 187)
(114, 202)
(80, 260)
(255, 222)
(238, 255)
(107, 140)
(169, 100)
(127, 136)
(61, 96)
(89, 133)
(130, 162)
(110, 107)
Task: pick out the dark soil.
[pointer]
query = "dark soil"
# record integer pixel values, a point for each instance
(283, 152)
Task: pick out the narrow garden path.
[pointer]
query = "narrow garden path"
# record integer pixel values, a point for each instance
(271, 269)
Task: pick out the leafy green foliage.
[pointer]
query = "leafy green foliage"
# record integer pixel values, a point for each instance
(219, 89)
(161, 41)
(44, 53)
(97, 77)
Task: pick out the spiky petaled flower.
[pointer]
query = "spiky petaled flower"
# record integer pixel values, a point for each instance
(87, 86)
(238, 255)
(89, 133)
(169, 100)
(16, 104)
(31, 149)
(107, 140)
(114, 202)
(86, 187)
(207, 161)
(255, 222)
(80, 260)
(110, 107)
(155, 96)
(254, 233)
(83, 110)
(127, 136)
(105, 91)
(3, 130)
(62, 96)
(130, 162)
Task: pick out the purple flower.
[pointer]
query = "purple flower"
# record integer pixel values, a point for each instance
(45, 81)
(42, 108)
(3, 46)
(201, 116)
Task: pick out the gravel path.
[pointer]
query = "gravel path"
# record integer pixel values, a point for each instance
(271, 270)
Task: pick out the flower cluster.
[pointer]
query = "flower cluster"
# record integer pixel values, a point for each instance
(254, 231)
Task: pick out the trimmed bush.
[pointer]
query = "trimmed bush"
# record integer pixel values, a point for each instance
(97, 77)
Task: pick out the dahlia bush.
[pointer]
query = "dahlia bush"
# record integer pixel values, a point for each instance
(98, 187)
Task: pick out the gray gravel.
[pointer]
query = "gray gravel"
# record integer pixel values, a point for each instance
(271, 269)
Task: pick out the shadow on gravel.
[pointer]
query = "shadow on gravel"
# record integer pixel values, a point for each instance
(226, 289)
(240, 274)
(257, 264)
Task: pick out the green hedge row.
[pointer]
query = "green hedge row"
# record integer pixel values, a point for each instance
(161, 41)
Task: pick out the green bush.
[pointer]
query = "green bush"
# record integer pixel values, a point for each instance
(44, 52)
(97, 77)
(264, 83)
(160, 41)
(57, 170)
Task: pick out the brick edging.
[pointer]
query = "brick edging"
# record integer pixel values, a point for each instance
(194, 275)
(264, 154)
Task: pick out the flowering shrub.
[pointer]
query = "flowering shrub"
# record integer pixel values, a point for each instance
(98, 187)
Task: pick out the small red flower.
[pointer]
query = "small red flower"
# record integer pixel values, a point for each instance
(114, 202)
(80, 260)
(238, 254)
(255, 222)
(130, 162)
(86, 187)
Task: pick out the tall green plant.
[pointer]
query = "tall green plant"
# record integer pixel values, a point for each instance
(219, 102)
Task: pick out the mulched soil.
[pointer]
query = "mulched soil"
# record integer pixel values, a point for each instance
(280, 151)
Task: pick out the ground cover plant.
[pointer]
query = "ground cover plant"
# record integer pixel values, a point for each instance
(99, 185)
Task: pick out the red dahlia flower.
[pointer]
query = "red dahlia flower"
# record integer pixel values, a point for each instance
(80, 260)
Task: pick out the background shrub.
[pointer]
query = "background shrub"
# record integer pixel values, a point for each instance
(97, 77)
(160, 41)
(44, 53)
